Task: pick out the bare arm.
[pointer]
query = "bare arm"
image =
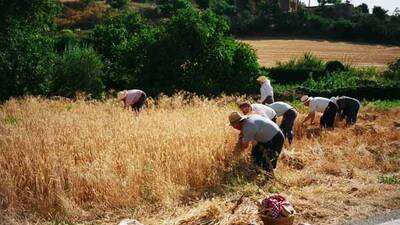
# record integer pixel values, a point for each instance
(124, 103)
(310, 116)
(243, 145)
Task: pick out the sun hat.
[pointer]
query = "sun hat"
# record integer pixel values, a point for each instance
(305, 98)
(262, 79)
(235, 118)
(122, 94)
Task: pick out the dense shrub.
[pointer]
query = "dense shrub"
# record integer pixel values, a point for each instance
(119, 4)
(298, 70)
(64, 39)
(170, 7)
(191, 51)
(26, 64)
(334, 66)
(79, 69)
(37, 15)
(367, 92)
(393, 71)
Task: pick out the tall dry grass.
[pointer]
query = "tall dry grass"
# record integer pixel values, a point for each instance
(78, 160)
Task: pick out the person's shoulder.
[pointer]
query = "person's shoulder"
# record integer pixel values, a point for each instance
(321, 99)
(257, 105)
(281, 103)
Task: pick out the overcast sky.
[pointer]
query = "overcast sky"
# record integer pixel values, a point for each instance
(386, 4)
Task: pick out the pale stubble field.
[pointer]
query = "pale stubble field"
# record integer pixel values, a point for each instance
(271, 50)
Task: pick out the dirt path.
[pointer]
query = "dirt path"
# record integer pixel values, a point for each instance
(271, 50)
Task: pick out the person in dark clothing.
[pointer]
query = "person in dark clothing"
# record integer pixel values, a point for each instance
(322, 105)
(289, 115)
(347, 108)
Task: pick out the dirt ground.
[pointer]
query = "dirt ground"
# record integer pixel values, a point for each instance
(271, 50)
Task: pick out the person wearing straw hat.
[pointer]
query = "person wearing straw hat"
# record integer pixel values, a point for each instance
(289, 115)
(347, 108)
(260, 109)
(267, 92)
(266, 133)
(323, 105)
(134, 98)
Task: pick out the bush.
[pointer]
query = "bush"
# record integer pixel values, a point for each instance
(170, 7)
(393, 71)
(367, 92)
(298, 70)
(191, 51)
(361, 84)
(79, 69)
(65, 39)
(119, 4)
(342, 28)
(334, 66)
(26, 64)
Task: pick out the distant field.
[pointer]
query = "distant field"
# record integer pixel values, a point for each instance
(272, 50)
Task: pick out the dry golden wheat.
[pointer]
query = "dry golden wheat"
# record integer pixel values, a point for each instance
(88, 161)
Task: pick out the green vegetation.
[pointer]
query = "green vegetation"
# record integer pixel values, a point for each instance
(389, 179)
(188, 47)
(10, 120)
(78, 69)
(385, 104)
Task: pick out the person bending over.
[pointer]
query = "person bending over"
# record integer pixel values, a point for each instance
(266, 133)
(322, 105)
(132, 98)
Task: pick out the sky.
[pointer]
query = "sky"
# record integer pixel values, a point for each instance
(386, 4)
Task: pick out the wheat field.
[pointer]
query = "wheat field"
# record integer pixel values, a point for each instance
(271, 50)
(92, 162)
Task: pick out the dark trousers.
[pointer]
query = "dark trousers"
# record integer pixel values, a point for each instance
(350, 114)
(266, 155)
(288, 123)
(328, 118)
(268, 100)
(139, 104)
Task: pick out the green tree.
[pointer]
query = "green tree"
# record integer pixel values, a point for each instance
(26, 64)
(79, 69)
(379, 12)
(37, 14)
(363, 8)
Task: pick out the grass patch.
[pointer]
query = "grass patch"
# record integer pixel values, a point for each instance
(10, 120)
(389, 179)
(385, 104)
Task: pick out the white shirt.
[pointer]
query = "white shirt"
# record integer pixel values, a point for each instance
(280, 108)
(266, 90)
(260, 129)
(319, 104)
(263, 110)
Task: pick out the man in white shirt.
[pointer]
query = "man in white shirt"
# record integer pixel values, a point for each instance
(266, 133)
(134, 98)
(266, 90)
(322, 105)
(289, 115)
(260, 109)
